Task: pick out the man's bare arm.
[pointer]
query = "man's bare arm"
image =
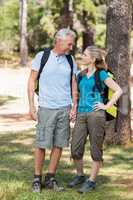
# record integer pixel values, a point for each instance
(75, 98)
(31, 90)
(74, 91)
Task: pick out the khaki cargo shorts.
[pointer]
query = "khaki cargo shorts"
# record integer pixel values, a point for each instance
(92, 124)
(53, 128)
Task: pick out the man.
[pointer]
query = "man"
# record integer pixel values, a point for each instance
(54, 106)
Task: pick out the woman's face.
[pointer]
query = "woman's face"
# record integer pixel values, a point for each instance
(86, 58)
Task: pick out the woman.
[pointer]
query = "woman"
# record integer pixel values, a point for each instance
(91, 116)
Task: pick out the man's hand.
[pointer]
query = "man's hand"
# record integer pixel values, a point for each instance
(31, 89)
(33, 113)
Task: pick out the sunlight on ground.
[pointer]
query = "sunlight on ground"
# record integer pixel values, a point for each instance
(17, 168)
(23, 141)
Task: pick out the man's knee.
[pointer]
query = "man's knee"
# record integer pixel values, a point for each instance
(40, 149)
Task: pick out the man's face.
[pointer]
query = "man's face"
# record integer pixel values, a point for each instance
(66, 45)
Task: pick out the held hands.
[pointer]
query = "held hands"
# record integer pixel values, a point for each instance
(33, 113)
(100, 106)
(73, 113)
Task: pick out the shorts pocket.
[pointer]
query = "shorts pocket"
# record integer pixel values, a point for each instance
(40, 135)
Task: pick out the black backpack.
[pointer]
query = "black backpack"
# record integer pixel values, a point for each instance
(106, 93)
(44, 60)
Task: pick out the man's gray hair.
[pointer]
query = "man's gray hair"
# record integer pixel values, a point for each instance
(62, 33)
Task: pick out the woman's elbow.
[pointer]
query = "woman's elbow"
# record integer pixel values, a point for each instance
(120, 91)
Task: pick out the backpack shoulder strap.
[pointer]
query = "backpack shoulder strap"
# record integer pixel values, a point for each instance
(103, 91)
(44, 59)
(98, 82)
(70, 61)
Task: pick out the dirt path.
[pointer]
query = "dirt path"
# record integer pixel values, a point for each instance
(14, 112)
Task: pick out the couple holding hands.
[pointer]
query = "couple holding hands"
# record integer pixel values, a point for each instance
(60, 85)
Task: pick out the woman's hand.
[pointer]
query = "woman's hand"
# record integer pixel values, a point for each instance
(100, 106)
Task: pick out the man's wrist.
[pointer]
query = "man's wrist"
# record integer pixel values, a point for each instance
(32, 107)
(75, 106)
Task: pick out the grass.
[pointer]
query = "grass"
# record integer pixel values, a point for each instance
(5, 99)
(115, 181)
(12, 60)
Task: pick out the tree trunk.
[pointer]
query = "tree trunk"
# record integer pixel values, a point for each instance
(88, 37)
(119, 20)
(88, 33)
(1, 2)
(66, 19)
(23, 33)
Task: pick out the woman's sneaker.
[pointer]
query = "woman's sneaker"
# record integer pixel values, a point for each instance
(87, 186)
(76, 181)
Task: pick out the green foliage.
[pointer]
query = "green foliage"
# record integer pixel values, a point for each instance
(100, 27)
(43, 20)
(37, 32)
(9, 25)
(99, 2)
(100, 35)
(88, 7)
(85, 5)
(101, 14)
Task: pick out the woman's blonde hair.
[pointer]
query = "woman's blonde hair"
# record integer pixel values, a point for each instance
(98, 55)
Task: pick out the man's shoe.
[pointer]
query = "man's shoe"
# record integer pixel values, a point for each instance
(36, 185)
(76, 181)
(51, 183)
(87, 186)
